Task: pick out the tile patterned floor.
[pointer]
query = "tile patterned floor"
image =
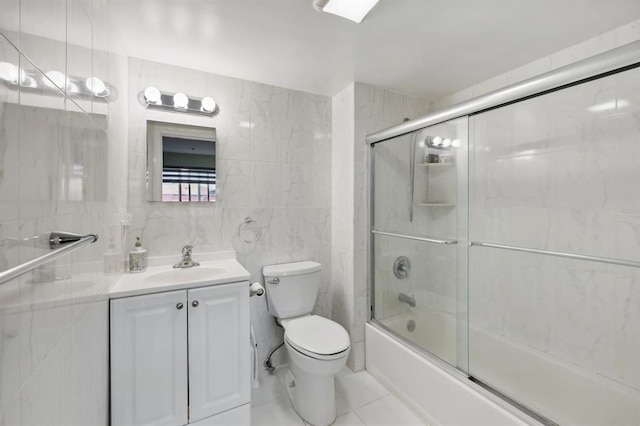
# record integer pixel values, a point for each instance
(360, 401)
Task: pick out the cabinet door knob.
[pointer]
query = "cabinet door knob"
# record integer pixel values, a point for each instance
(179, 306)
(195, 304)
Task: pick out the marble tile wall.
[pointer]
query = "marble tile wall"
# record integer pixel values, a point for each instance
(373, 109)
(60, 168)
(273, 164)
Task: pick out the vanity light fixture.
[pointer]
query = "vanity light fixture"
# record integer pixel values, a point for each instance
(153, 98)
(354, 10)
(91, 88)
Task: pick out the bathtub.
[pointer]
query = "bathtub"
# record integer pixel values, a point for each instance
(443, 395)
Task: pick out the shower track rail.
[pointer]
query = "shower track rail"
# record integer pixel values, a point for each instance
(62, 243)
(411, 237)
(615, 60)
(606, 260)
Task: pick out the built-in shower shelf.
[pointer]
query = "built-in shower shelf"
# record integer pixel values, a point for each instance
(436, 165)
(436, 205)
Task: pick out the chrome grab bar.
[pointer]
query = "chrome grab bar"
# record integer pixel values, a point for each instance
(66, 242)
(411, 237)
(607, 260)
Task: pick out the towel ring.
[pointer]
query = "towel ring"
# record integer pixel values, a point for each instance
(243, 228)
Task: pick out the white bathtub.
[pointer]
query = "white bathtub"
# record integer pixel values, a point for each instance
(433, 330)
(557, 390)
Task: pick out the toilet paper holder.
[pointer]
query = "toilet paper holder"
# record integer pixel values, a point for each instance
(256, 289)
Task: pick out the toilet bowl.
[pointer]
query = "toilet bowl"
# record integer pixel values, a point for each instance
(317, 347)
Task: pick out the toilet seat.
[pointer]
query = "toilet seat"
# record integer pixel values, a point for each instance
(317, 337)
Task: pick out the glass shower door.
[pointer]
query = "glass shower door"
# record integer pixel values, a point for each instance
(419, 184)
(554, 288)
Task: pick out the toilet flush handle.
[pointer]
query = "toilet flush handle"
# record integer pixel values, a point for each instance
(274, 280)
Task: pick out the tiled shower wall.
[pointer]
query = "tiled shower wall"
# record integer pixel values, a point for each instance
(358, 110)
(60, 169)
(273, 163)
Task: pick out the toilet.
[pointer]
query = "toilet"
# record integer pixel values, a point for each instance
(317, 347)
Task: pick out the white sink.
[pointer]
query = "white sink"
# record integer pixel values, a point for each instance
(215, 269)
(193, 275)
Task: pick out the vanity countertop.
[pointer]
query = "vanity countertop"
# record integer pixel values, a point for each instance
(160, 276)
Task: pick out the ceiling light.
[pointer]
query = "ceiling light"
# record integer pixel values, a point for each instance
(436, 141)
(446, 143)
(354, 10)
(180, 100)
(208, 104)
(152, 95)
(95, 85)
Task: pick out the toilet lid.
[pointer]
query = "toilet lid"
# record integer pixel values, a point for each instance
(317, 335)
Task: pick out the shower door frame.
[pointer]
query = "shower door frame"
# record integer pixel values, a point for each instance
(608, 63)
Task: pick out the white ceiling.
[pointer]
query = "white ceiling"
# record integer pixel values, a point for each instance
(425, 48)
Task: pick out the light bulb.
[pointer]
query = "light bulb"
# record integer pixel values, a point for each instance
(95, 85)
(436, 141)
(422, 144)
(446, 143)
(455, 143)
(180, 100)
(8, 72)
(152, 95)
(56, 78)
(208, 104)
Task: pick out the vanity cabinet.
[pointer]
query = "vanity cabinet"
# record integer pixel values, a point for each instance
(180, 357)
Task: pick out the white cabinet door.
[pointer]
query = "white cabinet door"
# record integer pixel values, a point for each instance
(218, 349)
(149, 360)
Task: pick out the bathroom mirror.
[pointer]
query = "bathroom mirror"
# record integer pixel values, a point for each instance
(181, 163)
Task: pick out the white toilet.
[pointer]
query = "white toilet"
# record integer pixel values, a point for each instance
(317, 347)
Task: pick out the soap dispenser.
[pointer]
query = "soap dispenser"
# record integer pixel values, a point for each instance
(138, 257)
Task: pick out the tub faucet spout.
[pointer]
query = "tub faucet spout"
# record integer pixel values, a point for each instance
(409, 300)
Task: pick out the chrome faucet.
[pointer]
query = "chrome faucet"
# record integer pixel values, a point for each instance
(409, 300)
(186, 259)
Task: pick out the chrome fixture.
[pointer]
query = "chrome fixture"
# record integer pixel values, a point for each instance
(607, 260)
(267, 361)
(352, 10)
(65, 247)
(402, 267)
(57, 239)
(186, 262)
(243, 231)
(411, 237)
(53, 82)
(409, 300)
(153, 98)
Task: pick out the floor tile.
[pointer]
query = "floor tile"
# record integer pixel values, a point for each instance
(342, 406)
(278, 412)
(349, 419)
(388, 411)
(359, 388)
(345, 370)
(271, 387)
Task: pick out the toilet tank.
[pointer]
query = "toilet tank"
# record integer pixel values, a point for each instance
(292, 288)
